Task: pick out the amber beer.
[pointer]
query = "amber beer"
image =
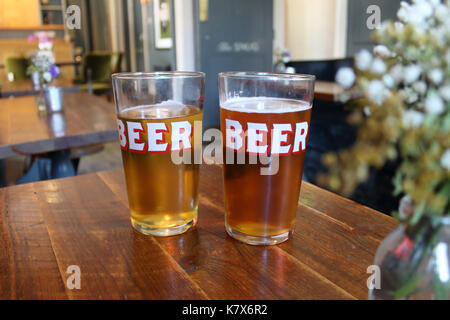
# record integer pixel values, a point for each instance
(159, 116)
(162, 195)
(260, 209)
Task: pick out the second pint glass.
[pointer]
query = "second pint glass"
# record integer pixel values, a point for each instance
(160, 123)
(265, 123)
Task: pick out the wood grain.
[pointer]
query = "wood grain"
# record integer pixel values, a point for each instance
(86, 120)
(47, 226)
(24, 87)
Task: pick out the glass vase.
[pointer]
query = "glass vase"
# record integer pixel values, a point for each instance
(40, 101)
(414, 261)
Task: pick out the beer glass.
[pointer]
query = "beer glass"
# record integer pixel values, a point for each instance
(265, 123)
(160, 122)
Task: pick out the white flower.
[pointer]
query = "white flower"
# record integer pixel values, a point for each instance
(346, 77)
(363, 60)
(435, 3)
(47, 76)
(399, 26)
(378, 66)
(388, 80)
(411, 53)
(290, 70)
(402, 13)
(440, 34)
(424, 7)
(382, 51)
(436, 75)
(405, 208)
(382, 27)
(412, 73)
(413, 118)
(409, 95)
(420, 87)
(444, 91)
(376, 91)
(366, 111)
(397, 73)
(441, 12)
(416, 14)
(434, 104)
(445, 159)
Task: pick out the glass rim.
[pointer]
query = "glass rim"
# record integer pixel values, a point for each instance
(156, 75)
(267, 76)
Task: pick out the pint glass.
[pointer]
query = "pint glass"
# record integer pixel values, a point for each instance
(160, 122)
(265, 123)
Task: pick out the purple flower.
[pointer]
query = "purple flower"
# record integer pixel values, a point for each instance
(54, 71)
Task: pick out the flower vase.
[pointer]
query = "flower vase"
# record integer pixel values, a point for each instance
(40, 101)
(414, 261)
(35, 82)
(280, 67)
(54, 99)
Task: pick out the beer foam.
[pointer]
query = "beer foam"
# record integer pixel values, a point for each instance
(265, 105)
(162, 110)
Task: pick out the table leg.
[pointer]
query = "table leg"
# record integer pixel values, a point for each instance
(61, 165)
(38, 171)
(57, 165)
(2, 173)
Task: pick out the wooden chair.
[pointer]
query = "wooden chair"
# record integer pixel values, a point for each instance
(17, 66)
(97, 68)
(95, 72)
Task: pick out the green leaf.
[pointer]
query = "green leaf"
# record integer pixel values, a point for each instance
(418, 211)
(408, 288)
(444, 192)
(397, 182)
(396, 215)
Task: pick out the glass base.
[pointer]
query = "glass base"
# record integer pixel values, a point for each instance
(162, 232)
(259, 241)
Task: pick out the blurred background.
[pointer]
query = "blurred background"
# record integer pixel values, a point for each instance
(93, 38)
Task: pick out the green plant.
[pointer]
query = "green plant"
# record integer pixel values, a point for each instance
(404, 109)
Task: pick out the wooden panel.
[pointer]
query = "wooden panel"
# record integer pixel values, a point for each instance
(95, 223)
(28, 266)
(46, 27)
(84, 220)
(19, 13)
(87, 119)
(21, 47)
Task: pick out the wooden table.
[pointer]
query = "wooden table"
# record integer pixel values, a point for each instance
(330, 91)
(86, 120)
(59, 64)
(48, 226)
(25, 87)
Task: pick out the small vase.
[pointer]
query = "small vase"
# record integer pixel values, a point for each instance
(40, 101)
(414, 261)
(54, 99)
(35, 82)
(280, 67)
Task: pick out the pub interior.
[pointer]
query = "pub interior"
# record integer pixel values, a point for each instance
(377, 158)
